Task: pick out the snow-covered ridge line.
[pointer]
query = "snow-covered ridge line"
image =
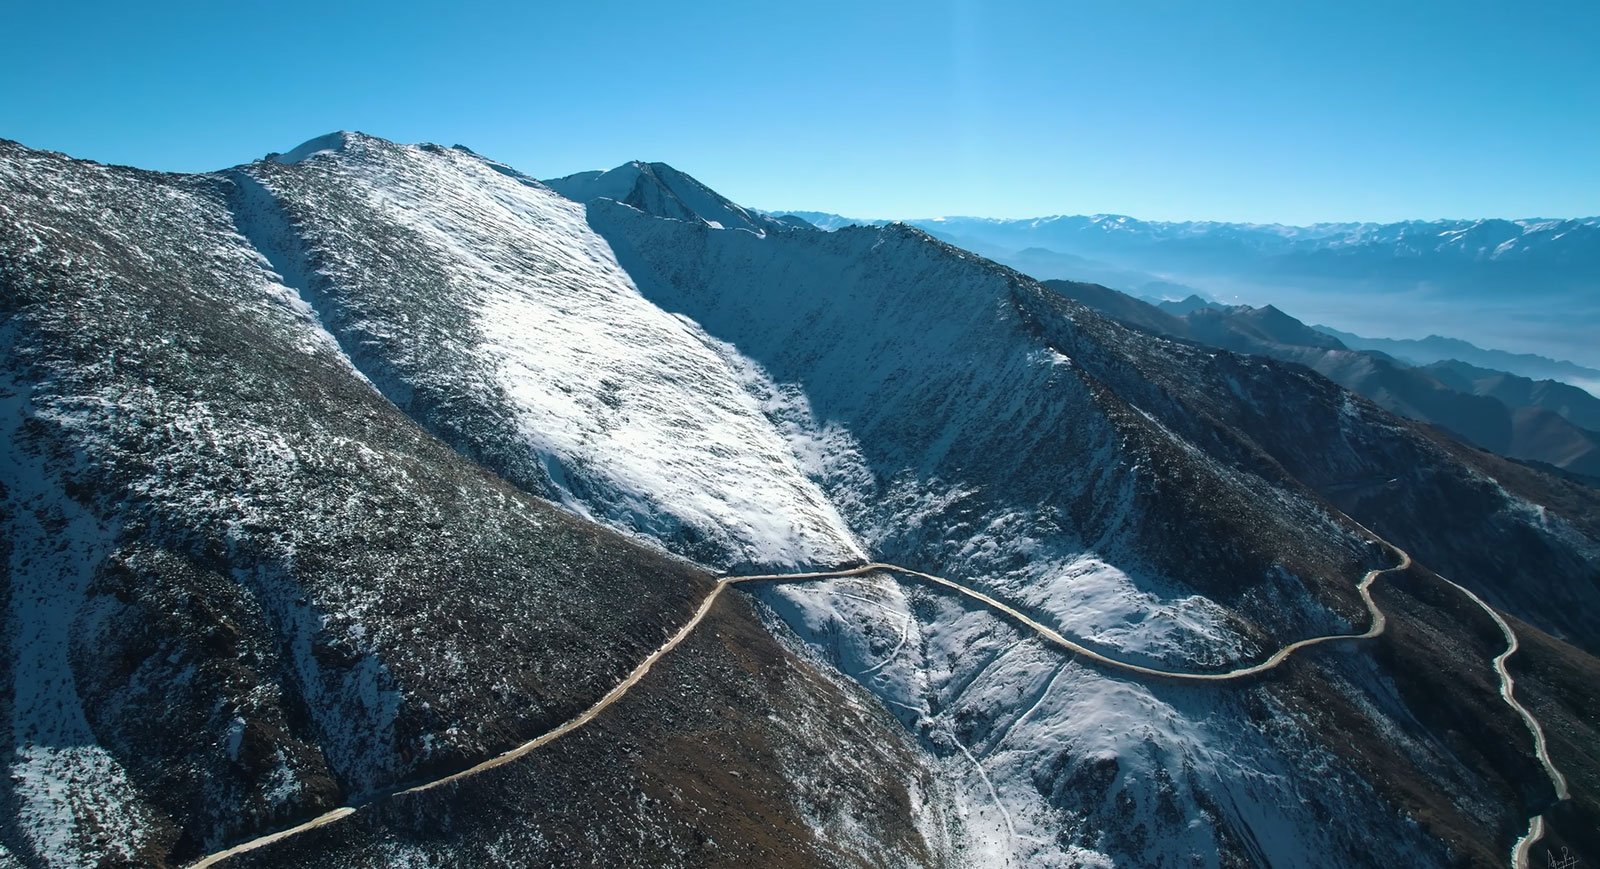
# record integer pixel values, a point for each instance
(637, 425)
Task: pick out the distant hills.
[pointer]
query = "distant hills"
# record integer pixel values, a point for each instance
(1534, 420)
(1527, 285)
(1436, 348)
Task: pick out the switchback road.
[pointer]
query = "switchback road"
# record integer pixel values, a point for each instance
(1378, 621)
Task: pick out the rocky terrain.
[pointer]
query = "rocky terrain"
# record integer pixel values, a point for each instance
(350, 467)
(244, 586)
(1544, 421)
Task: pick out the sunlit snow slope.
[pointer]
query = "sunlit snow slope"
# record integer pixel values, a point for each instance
(484, 305)
(748, 397)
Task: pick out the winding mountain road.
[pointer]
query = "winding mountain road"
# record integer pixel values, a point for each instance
(1378, 623)
(1376, 627)
(1524, 846)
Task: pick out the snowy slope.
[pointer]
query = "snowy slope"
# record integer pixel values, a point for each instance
(241, 586)
(863, 426)
(64, 783)
(1095, 494)
(523, 317)
(954, 441)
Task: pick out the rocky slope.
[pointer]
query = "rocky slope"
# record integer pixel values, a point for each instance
(1543, 421)
(949, 386)
(389, 451)
(244, 586)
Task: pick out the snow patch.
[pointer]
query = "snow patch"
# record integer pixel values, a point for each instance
(329, 143)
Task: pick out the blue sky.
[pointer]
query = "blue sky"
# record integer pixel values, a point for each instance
(1282, 111)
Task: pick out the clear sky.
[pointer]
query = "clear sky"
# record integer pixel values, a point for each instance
(1205, 109)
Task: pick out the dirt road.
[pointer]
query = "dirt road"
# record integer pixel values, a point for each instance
(1378, 621)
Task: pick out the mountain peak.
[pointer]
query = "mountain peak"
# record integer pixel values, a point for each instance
(663, 191)
(1194, 302)
(327, 143)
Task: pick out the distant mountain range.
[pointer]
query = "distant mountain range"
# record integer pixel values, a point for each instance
(1528, 285)
(1543, 421)
(1436, 348)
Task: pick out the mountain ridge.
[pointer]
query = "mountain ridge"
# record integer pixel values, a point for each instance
(1439, 348)
(1527, 284)
(877, 390)
(1543, 422)
(1340, 232)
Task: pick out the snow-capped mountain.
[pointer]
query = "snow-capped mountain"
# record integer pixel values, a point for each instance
(1566, 240)
(368, 461)
(660, 189)
(256, 565)
(1572, 241)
